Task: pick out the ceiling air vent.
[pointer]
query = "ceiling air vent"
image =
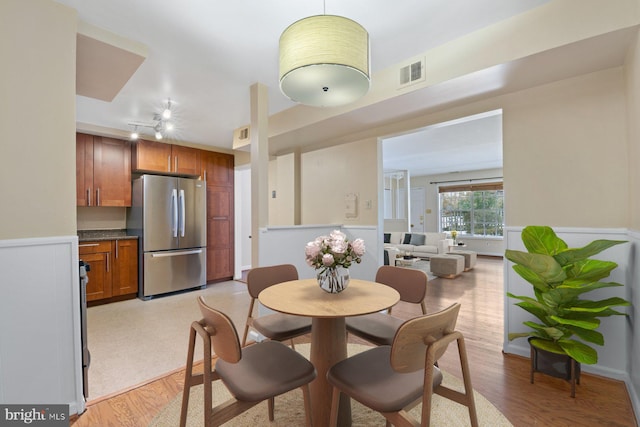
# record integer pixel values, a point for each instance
(241, 139)
(412, 73)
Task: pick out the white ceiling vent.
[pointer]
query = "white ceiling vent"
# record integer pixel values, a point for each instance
(241, 138)
(412, 73)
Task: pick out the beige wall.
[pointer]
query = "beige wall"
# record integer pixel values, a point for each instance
(37, 118)
(565, 157)
(328, 175)
(632, 74)
(565, 153)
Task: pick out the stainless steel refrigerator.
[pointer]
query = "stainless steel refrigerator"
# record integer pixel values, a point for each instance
(169, 214)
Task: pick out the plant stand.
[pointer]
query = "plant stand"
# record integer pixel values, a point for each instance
(555, 365)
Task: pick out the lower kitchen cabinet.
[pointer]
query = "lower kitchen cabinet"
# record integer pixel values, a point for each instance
(113, 270)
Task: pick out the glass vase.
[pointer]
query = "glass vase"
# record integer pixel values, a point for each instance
(333, 279)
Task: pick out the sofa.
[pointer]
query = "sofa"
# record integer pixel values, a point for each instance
(421, 245)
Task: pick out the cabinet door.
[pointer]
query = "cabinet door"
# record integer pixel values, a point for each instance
(111, 172)
(185, 160)
(98, 256)
(84, 169)
(125, 267)
(220, 231)
(217, 168)
(99, 285)
(151, 156)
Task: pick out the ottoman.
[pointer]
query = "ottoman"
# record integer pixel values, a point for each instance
(447, 265)
(469, 258)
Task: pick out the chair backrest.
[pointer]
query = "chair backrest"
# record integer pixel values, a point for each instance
(260, 278)
(415, 336)
(410, 283)
(224, 337)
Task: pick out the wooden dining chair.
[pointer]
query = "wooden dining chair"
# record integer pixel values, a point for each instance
(380, 328)
(393, 379)
(276, 326)
(252, 374)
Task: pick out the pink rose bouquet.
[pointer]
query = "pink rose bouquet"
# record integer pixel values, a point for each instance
(334, 250)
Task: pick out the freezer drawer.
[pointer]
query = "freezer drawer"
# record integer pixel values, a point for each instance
(170, 271)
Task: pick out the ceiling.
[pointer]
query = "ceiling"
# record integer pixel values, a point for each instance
(468, 144)
(206, 55)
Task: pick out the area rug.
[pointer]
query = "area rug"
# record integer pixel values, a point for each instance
(289, 410)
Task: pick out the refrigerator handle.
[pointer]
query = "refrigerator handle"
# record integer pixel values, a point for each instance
(182, 213)
(174, 216)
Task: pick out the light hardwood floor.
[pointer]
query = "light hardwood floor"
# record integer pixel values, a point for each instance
(502, 379)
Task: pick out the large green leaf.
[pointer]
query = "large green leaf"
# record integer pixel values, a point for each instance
(587, 334)
(588, 271)
(582, 288)
(531, 277)
(585, 324)
(604, 303)
(573, 255)
(547, 345)
(544, 266)
(542, 240)
(580, 352)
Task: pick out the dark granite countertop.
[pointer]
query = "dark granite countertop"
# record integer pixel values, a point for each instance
(97, 235)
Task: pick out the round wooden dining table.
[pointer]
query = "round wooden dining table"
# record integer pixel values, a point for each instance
(328, 333)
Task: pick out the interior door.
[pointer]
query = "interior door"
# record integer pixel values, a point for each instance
(416, 217)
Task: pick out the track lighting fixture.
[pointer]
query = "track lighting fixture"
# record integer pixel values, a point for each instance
(166, 114)
(160, 124)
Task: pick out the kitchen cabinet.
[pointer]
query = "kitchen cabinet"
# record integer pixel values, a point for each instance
(103, 171)
(152, 156)
(217, 171)
(125, 267)
(113, 269)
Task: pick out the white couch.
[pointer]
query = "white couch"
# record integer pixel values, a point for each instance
(421, 245)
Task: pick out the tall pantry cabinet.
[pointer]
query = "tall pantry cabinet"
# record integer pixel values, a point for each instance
(217, 171)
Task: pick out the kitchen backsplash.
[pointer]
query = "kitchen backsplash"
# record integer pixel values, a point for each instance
(100, 218)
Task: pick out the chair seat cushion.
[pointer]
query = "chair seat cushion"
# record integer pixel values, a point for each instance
(266, 369)
(377, 328)
(281, 327)
(369, 378)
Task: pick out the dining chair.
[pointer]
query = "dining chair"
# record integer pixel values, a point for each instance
(393, 379)
(252, 374)
(379, 328)
(276, 326)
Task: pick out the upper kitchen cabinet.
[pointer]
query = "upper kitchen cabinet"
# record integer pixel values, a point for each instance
(152, 156)
(217, 168)
(103, 171)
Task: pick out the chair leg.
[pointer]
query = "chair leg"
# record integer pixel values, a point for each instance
(187, 379)
(466, 376)
(335, 405)
(270, 405)
(306, 395)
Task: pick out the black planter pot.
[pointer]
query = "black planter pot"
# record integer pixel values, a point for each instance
(555, 365)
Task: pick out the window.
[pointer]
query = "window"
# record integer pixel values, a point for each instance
(473, 209)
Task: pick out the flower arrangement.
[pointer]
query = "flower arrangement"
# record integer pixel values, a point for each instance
(334, 250)
(454, 234)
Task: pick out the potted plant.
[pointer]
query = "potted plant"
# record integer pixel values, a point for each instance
(560, 277)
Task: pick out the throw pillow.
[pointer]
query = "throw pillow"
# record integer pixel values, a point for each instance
(407, 239)
(417, 239)
(387, 237)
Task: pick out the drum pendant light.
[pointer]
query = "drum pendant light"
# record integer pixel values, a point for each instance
(324, 61)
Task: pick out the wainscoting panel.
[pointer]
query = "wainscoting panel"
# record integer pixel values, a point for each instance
(40, 349)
